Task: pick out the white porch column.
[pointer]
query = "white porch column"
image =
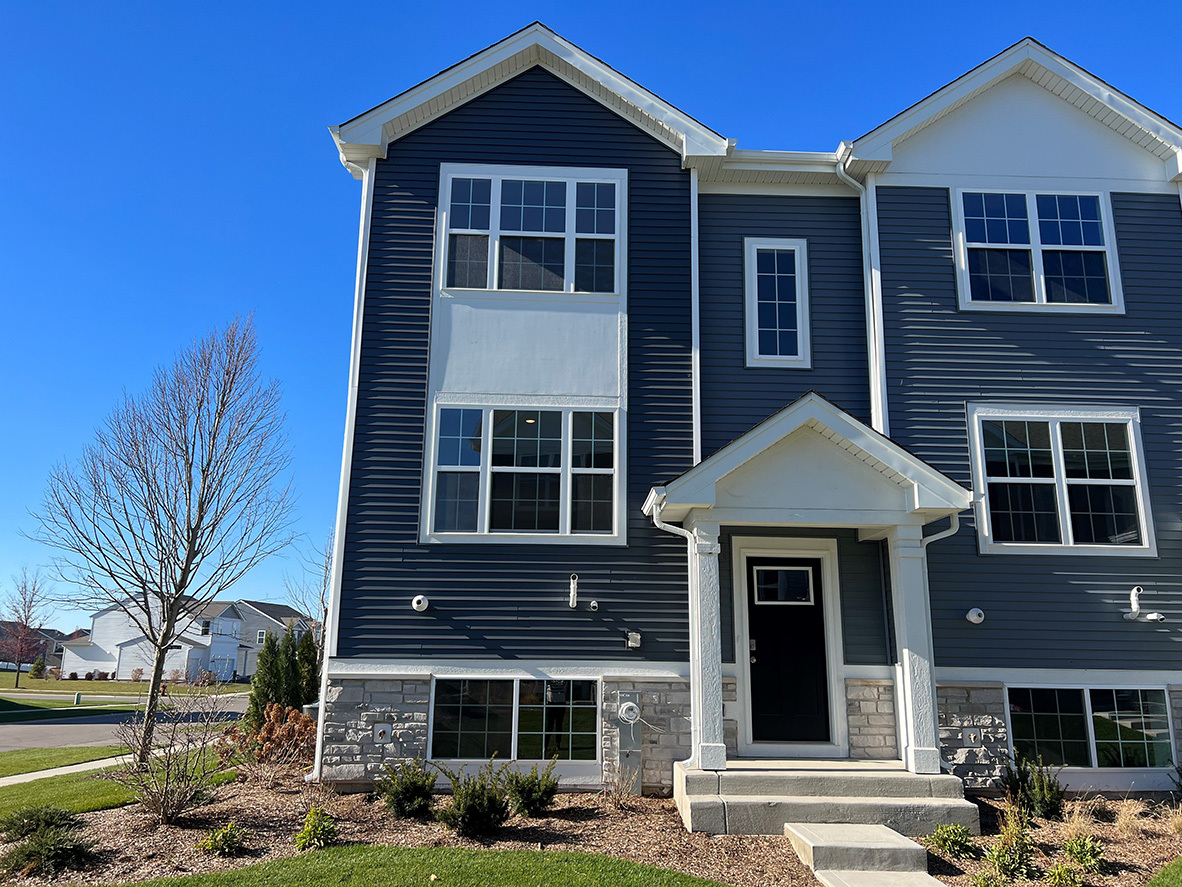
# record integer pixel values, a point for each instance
(709, 747)
(913, 640)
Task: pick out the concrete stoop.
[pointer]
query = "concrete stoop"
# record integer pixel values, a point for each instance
(760, 798)
(859, 855)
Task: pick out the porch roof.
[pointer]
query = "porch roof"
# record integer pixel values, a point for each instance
(835, 469)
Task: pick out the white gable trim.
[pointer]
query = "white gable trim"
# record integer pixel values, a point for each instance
(1028, 58)
(369, 134)
(933, 493)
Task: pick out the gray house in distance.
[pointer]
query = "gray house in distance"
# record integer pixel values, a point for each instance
(807, 486)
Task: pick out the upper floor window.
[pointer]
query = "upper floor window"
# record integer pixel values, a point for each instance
(534, 472)
(260, 637)
(533, 229)
(204, 627)
(1060, 479)
(776, 287)
(1022, 250)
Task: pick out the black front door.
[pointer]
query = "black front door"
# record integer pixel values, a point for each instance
(786, 619)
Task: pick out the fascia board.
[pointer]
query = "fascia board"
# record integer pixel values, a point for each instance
(1174, 167)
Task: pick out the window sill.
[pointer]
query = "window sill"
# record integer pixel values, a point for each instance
(780, 363)
(529, 295)
(1041, 307)
(985, 548)
(521, 539)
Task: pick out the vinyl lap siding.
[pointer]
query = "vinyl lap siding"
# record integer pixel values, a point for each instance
(735, 397)
(510, 601)
(1040, 611)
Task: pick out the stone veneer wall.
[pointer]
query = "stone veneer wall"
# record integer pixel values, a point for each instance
(351, 709)
(980, 709)
(870, 710)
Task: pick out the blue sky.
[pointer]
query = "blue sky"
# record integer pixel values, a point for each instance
(168, 165)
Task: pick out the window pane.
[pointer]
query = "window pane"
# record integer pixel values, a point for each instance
(1023, 512)
(777, 321)
(533, 206)
(1131, 728)
(996, 218)
(592, 503)
(470, 201)
(783, 585)
(592, 440)
(532, 263)
(1076, 277)
(459, 437)
(595, 208)
(524, 503)
(456, 496)
(467, 261)
(466, 725)
(554, 719)
(595, 266)
(1017, 449)
(1047, 723)
(1104, 515)
(1097, 450)
(1069, 220)
(527, 438)
(1000, 275)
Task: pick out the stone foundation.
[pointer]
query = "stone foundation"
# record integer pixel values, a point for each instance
(350, 711)
(870, 710)
(973, 735)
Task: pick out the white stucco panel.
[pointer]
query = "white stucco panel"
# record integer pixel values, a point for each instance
(558, 345)
(1018, 128)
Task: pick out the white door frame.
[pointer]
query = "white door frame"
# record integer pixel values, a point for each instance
(824, 550)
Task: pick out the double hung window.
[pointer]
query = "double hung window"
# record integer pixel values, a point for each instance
(776, 285)
(1060, 479)
(1021, 249)
(525, 471)
(533, 229)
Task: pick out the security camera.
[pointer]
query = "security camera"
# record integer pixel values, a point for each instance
(975, 615)
(420, 603)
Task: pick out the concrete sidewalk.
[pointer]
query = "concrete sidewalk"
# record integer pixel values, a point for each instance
(62, 771)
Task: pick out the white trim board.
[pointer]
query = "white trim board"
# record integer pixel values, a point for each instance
(419, 669)
(1131, 678)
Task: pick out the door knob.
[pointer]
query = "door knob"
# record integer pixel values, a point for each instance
(752, 660)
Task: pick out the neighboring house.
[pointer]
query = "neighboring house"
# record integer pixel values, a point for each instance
(262, 617)
(41, 642)
(661, 450)
(55, 639)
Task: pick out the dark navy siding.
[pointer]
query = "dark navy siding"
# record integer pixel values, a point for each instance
(496, 600)
(1041, 611)
(735, 397)
(864, 600)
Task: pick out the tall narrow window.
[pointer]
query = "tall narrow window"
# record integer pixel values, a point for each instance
(776, 282)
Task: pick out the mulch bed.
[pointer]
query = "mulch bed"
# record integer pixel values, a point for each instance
(131, 848)
(1135, 847)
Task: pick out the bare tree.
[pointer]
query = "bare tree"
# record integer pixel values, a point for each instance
(179, 495)
(309, 591)
(25, 609)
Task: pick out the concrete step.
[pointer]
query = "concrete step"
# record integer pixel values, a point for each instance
(836, 784)
(854, 847)
(831, 878)
(765, 815)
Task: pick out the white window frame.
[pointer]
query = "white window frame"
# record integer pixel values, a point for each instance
(1087, 700)
(1056, 415)
(803, 358)
(1040, 303)
(516, 680)
(571, 175)
(261, 636)
(483, 533)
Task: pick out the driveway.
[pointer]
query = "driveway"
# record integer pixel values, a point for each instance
(97, 729)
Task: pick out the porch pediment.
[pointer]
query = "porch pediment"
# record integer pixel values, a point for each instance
(812, 463)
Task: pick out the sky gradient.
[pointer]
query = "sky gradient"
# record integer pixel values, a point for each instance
(169, 166)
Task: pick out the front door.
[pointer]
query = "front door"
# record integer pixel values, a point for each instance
(786, 622)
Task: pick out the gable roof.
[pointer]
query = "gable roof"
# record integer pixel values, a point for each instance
(1030, 59)
(933, 493)
(280, 613)
(214, 609)
(368, 134)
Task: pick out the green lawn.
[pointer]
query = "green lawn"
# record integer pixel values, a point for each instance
(1170, 876)
(362, 866)
(101, 688)
(47, 709)
(26, 760)
(80, 792)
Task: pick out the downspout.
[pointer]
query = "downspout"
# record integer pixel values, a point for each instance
(953, 527)
(875, 355)
(691, 541)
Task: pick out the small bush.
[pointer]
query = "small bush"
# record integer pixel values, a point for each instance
(229, 840)
(176, 676)
(532, 793)
(955, 840)
(48, 851)
(1128, 818)
(1013, 855)
(1078, 822)
(408, 789)
(73, 676)
(1086, 852)
(55, 673)
(137, 674)
(319, 831)
(282, 747)
(102, 676)
(479, 803)
(1064, 875)
(1035, 786)
(89, 676)
(987, 879)
(1175, 819)
(21, 823)
(37, 669)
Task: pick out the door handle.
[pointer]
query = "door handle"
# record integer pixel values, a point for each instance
(752, 660)
(752, 644)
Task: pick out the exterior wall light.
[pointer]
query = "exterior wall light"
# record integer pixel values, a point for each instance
(975, 615)
(420, 603)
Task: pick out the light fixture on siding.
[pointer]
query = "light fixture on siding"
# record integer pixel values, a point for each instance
(975, 615)
(420, 603)
(1135, 607)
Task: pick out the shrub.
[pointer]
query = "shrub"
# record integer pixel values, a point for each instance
(48, 851)
(282, 747)
(408, 789)
(532, 793)
(479, 804)
(1013, 855)
(102, 675)
(1086, 852)
(37, 669)
(137, 674)
(89, 676)
(955, 840)
(229, 840)
(22, 823)
(1035, 786)
(1064, 875)
(176, 676)
(1128, 818)
(987, 879)
(1175, 820)
(55, 673)
(1078, 822)
(318, 832)
(73, 676)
